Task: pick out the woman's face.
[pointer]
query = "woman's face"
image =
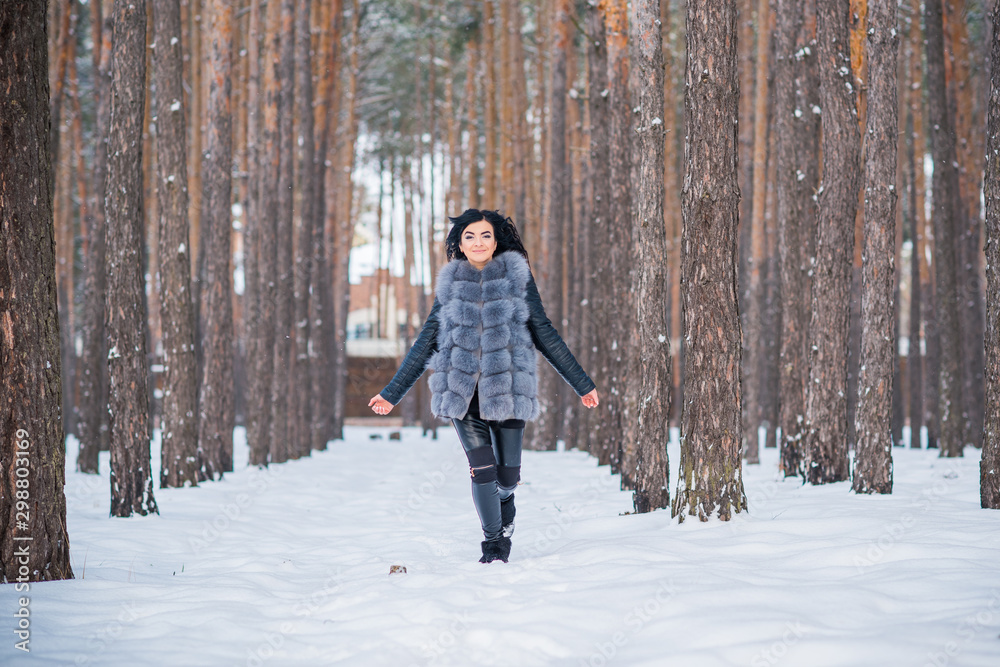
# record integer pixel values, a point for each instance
(478, 243)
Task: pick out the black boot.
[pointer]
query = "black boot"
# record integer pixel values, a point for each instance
(498, 549)
(507, 512)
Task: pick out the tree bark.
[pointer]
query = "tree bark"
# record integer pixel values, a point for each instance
(125, 314)
(620, 220)
(256, 176)
(34, 544)
(598, 227)
(826, 391)
(551, 388)
(873, 458)
(284, 334)
(92, 424)
(217, 416)
(753, 344)
(914, 356)
(650, 286)
(989, 466)
(710, 476)
(320, 301)
(489, 197)
(306, 242)
(945, 185)
(260, 445)
(969, 153)
(179, 455)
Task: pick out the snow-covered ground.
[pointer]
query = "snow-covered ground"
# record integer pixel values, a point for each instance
(290, 566)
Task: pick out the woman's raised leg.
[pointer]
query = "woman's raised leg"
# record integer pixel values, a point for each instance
(474, 433)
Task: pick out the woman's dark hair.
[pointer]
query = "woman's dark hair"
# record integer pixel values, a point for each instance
(504, 232)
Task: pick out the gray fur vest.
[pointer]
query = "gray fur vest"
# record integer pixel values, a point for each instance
(483, 337)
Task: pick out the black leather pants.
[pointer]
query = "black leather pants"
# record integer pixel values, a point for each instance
(494, 452)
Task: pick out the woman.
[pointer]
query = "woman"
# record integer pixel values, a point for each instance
(480, 339)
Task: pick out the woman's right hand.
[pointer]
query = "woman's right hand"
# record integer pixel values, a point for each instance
(379, 405)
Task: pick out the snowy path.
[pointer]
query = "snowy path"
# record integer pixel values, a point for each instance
(290, 566)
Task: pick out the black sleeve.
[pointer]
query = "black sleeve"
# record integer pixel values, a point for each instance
(552, 346)
(415, 363)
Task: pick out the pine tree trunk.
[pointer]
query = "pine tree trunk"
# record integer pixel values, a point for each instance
(915, 360)
(125, 314)
(826, 392)
(551, 388)
(598, 227)
(932, 355)
(34, 545)
(710, 476)
(92, 424)
(672, 201)
(345, 198)
(873, 458)
(217, 417)
(914, 357)
(256, 174)
(267, 239)
(320, 301)
(306, 242)
(650, 286)
(284, 334)
(952, 404)
(969, 153)
(179, 454)
(620, 220)
(989, 466)
(489, 198)
(753, 385)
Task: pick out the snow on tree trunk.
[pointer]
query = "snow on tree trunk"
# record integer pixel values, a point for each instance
(873, 458)
(710, 476)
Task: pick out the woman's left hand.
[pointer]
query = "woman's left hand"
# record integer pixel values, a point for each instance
(590, 399)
